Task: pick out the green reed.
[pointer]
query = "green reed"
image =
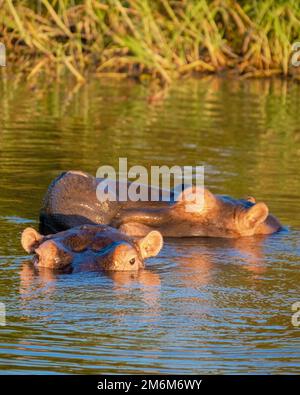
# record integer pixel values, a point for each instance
(163, 39)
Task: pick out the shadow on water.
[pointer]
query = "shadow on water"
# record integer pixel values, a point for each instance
(201, 306)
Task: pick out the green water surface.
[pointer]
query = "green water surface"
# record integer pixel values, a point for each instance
(201, 306)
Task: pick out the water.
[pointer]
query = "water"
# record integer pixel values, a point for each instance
(201, 306)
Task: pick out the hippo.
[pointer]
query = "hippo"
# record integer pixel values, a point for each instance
(99, 246)
(71, 200)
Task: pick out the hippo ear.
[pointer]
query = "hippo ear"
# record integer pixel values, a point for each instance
(256, 214)
(30, 239)
(151, 244)
(196, 199)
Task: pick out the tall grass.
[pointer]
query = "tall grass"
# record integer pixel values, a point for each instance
(164, 39)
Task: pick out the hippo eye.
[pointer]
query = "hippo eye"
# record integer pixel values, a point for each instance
(132, 261)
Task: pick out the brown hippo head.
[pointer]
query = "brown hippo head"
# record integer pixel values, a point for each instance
(212, 216)
(223, 216)
(96, 245)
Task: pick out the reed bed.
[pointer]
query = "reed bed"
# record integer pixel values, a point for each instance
(149, 39)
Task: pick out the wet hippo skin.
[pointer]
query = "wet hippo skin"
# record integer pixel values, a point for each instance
(71, 200)
(91, 245)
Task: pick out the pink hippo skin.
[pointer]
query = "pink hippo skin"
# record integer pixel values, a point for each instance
(91, 245)
(71, 200)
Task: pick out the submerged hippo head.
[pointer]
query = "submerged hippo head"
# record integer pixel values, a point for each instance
(223, 216)
(91, 244)
(212, 216)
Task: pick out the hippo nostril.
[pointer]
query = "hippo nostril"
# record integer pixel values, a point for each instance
(132, 261)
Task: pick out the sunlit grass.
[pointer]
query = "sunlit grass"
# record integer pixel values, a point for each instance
(163, 39)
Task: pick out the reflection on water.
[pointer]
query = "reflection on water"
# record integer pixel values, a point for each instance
(203, 305)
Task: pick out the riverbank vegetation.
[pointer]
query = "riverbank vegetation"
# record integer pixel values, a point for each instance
(160, 39)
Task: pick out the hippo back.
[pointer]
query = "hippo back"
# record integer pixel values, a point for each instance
(71, 201)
